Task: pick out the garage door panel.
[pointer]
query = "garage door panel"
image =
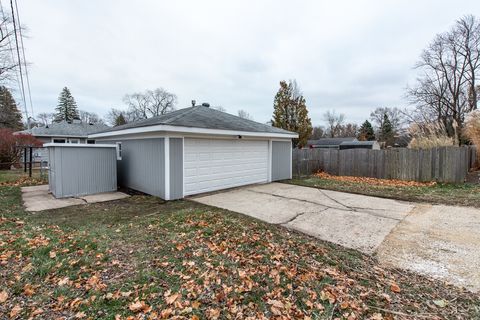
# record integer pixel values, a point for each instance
(218, 164)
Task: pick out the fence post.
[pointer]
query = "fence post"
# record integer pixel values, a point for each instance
(30, 164)
(24, 159)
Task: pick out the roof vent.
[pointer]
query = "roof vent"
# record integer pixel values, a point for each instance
(205, 104)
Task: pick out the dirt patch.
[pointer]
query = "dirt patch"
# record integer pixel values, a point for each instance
(438, 241)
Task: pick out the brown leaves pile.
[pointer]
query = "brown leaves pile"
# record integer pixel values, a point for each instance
(374, 181)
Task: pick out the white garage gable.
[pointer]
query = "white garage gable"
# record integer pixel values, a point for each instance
(215, 164)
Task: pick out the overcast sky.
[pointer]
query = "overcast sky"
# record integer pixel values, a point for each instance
(348, 56)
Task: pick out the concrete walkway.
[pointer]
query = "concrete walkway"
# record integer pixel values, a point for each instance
(438, 241)
(37, 198)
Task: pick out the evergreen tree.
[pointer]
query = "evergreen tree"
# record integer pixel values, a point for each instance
(67, 107)
(290, 112)
(366, 132)
(10, 116)
(387, 134)
(120, 120)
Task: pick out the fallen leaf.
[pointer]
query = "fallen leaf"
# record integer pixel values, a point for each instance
(53, 254)
(28, 290)
(3, 296)
(15, 311)
(139, 306)
(440, 303)
(36, 312)
(171, 299)
(80, 315)
(395, 288)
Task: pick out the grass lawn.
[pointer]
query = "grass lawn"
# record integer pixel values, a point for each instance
(145, 259)
(440, 193)
(10, 177)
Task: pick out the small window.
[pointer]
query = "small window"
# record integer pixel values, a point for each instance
(90, 141)
(74, 141)
(119, 151)
(59, 141)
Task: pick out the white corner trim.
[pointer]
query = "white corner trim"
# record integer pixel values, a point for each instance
(167, 167)
(169, 128)
(270, 159)
(79, 145)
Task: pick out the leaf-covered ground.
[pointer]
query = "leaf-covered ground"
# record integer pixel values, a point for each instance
(141, 258)
(437, 193)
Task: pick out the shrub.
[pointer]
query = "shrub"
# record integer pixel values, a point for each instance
(10, 150)
(429, 135)
(472, 130)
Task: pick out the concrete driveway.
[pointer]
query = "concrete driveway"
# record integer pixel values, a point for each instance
(353, 221)
(438, 241)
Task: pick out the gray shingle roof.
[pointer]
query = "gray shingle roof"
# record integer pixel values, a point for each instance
(330, 141)
(202, 117)
(80, 130)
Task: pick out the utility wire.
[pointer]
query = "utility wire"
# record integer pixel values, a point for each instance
(19, 64)
(4, 17)
(24, 60)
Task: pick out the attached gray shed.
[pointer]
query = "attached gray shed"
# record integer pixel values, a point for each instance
(197, 150)
(81, 169)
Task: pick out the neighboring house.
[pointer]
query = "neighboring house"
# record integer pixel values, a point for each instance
(372, 145)
(328, 143)
(63, 132)
(196, 150)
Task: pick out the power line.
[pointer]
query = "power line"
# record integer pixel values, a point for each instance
(19, 63)
(24, 60)
(9, 42)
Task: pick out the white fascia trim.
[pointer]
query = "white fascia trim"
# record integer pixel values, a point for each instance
(167, 167)
(79, 145)
(58, 136)
(169, 128)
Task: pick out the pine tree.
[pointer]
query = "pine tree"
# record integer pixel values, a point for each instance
(10, 116)
(290, 112)
(67, 107)
(120, 120)
(366, 132)
(387, 134)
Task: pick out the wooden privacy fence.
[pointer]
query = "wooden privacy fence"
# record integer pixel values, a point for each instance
(444, 164)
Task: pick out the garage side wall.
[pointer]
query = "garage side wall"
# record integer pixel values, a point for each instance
(82, 171)
(142, 167)
(176, 168)
(281, 160)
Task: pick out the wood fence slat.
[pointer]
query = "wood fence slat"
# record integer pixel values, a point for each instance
(443, 164)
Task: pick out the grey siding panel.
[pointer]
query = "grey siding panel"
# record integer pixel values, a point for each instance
(281, 160)
(82, 171)
(176, 168)
(142, 166)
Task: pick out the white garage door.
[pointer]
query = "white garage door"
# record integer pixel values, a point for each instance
(219, 164)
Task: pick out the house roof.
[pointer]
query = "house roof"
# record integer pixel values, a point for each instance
(358, 143)
(66, 129)
(330, 141)
(198, 117)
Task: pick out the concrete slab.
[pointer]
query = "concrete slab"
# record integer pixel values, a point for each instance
(38, 198)
(102, 197)
(359, 223)
(438, 241)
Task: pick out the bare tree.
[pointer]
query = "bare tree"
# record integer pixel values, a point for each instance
(220, 108)
(150, 103)
(244, 114)
(395, 115)
(89, 117)
(317, 133)
(45, 118)
(8, 64)
(445, 90)
(334, 122)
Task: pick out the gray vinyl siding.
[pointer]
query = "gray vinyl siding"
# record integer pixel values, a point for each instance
(78, 171)
(176, 168)
(281, 160)
(142, 167)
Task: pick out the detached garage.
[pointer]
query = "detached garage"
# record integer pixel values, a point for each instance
(197, 150)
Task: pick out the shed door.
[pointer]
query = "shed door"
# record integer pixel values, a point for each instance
(281, 160)
(213, 164)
